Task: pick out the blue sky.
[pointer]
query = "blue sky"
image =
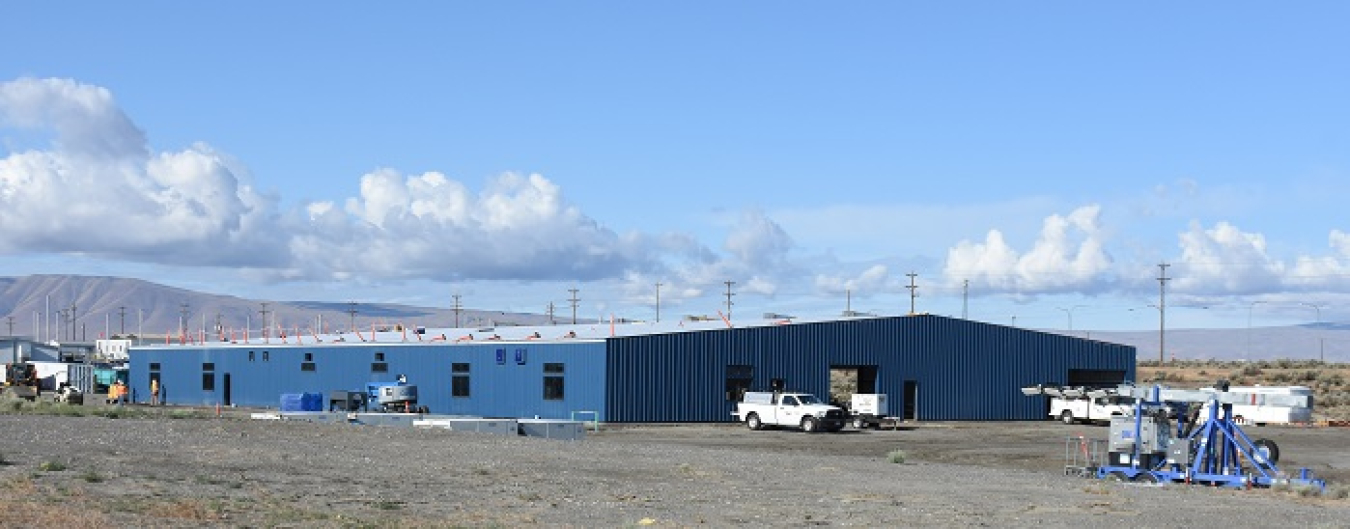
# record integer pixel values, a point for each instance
(1051, 154)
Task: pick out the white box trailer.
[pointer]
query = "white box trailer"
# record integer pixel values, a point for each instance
(1255, 410)
(870, 410)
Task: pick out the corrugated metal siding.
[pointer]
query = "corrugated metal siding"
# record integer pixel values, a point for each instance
(508, 389)
(965, 370)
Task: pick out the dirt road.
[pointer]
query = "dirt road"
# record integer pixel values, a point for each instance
(164, 472)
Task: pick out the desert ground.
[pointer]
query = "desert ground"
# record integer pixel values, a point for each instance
(167, 467)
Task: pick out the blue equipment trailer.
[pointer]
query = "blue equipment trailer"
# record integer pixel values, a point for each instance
(1145, 447)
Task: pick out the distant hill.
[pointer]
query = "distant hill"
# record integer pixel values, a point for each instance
(122, 306)
(1329, 341)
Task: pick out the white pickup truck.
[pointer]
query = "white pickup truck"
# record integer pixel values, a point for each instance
(798, 410)
(1099, 409)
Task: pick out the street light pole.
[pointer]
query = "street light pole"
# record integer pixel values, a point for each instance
(1069, 312)
(1321, 353)
(1249, 327)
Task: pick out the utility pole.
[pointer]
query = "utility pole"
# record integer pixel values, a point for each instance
(122, 318)
(351, 312)
(965, 299)
(550, 314)
(264, 313)
(457, 308)
(73, 319)
(729, 294)
(848, 302)
(182, 320)
(1162, 310)
(574, 299)
(913, 291)
(11, 325)
(658, 302)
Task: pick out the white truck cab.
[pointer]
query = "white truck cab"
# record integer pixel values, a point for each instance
(758, 409)
(1090, 409)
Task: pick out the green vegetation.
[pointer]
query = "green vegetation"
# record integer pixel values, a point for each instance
(896, 456)
(51, 466)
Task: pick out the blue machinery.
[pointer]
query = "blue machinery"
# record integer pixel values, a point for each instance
(1209, 451)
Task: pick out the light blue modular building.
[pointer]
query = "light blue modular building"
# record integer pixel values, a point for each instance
(931, 367)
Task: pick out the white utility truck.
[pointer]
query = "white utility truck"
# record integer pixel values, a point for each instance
(798, 410)
(1080, 404)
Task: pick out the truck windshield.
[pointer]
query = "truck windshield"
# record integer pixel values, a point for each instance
(808, 399)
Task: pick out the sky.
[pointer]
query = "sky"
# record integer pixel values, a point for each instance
(1029, 164)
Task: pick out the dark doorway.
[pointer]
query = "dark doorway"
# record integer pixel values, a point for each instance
(911, 400)
(1096, 377)
(847, 380)
(226, 393)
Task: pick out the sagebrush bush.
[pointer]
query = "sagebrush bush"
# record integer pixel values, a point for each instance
(896, 456)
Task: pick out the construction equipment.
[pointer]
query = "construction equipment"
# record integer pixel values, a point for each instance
(1165, 439)
(396, 396)
(21, 380)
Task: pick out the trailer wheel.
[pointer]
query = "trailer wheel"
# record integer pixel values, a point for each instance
(809, 424)
(1066, 417)
(1117, 476)
(752, 421)
(1146, 477)
(1268, 449)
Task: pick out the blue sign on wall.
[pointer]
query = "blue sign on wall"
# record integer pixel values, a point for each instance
(501, 357)
(520, 356)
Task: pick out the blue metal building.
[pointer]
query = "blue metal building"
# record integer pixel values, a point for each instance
(932, 367)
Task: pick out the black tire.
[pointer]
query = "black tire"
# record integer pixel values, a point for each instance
(809, 425)
(1066, 417)
(1117, 476)
(860, 423)
(1146, 477)
(1269, 449)
(752, 422)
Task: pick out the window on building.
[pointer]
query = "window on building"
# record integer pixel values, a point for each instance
(264, 356)
(459, 382)
(379, 367)
(309, 357)
(739, 378)
(553, 381)
(379, 357)
(154, 366)
(208, 376)
(250, 356)
(308, 366)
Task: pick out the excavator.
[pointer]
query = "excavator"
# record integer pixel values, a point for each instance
(21, 380)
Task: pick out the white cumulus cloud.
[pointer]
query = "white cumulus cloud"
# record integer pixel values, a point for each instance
(1225, 259)
(1069, 255)
(99, 190)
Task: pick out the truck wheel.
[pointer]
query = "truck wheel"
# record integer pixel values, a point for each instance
(1066, 417)
(809, 425)
(859, 423)
(1268, 449)
(752, 421)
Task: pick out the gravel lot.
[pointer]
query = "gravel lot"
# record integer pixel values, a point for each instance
(164, 472)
